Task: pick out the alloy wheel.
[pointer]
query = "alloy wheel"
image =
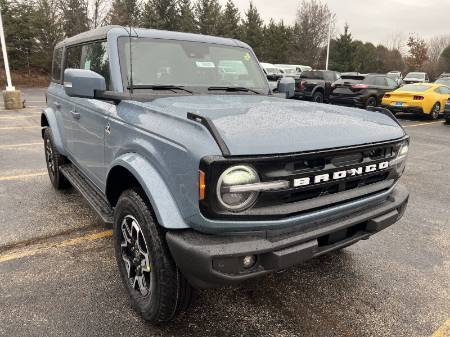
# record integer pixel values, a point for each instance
(49, 156)
(135, 256)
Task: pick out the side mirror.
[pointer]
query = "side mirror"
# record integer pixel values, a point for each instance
(286, 85)
(83, 83)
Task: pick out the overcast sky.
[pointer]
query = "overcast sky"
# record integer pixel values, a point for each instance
(370, 20)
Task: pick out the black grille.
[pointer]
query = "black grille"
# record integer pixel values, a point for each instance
(289, 167)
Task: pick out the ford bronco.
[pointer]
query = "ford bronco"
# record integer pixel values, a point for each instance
(208, 178)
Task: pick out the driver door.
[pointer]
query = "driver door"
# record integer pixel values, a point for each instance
(89, 116)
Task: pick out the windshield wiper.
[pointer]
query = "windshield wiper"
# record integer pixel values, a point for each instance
(160, 87)
(234, 89)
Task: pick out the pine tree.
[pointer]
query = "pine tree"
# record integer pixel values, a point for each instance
(186, 20)
(74, 16)
(252, 30)
(124, 13)
(230, 21)
(160, 14)
(208, 13)
(47, 29)
(343, 52)
(277, 43)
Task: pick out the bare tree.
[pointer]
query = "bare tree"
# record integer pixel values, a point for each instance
(396, 41)
(436, 46)
(311, 31)
(98, 13)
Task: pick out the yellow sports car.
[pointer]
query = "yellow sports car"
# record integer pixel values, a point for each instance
(424, 98)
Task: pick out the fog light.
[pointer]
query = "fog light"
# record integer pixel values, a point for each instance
(249, 261)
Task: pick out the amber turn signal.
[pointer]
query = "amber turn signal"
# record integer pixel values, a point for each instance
(201, 185)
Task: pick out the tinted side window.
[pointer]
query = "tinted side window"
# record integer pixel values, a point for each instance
(370, 80)
(91, 56)
(380, 82)
(57, 65)
(391, 83)
(329, 76)
(445, 90)
(94, 57)
(73, 57)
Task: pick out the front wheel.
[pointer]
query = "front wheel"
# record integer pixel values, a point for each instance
(54, 160)
(156, 287)
(435, 111)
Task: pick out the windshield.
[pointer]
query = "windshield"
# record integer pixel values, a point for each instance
(318, 75)
(415, 88)
(415, 75)
(190, 64)
(445, 81)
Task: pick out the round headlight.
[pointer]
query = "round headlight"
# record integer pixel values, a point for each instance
(234, 176)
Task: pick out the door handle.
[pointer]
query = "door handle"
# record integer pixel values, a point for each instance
(57, 105)
(75, 114)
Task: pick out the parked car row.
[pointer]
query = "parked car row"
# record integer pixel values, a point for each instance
(389, 91)
(276, 71)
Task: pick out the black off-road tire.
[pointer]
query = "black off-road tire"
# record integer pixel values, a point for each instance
(318, 97)
(435, 111)
(169, 292)
(371, 101)
(54, 160)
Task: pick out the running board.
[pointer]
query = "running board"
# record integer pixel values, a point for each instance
(89, 192)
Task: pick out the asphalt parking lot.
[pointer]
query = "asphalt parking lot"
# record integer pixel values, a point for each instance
(58, 275)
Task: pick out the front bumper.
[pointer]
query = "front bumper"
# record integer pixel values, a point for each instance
(216, 260)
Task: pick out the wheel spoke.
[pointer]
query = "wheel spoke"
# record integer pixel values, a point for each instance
(142, 283)
(127, 264)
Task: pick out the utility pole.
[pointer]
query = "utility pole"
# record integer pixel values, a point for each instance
(329, 42)
(11, 96)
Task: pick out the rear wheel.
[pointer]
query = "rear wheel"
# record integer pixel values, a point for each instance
(318, 97)
(435, 111)
(54, 160)
(156, 287)
(371, 101)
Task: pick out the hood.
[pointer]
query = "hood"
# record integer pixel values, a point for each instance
(258, 125)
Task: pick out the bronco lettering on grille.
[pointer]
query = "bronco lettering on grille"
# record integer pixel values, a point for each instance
(340, 174)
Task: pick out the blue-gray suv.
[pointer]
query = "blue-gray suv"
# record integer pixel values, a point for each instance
(207, 177)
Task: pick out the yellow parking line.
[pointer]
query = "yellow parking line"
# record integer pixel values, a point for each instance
(444, 330)
(20, 127)
(420, 124)
(22, 176)
(8, 146)
(27, 252)
(16, 117)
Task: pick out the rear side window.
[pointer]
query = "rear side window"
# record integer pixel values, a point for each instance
(445, 90)
(57, 65)
(91, 56)
(380, 81)
(316, 75)
(391, 83)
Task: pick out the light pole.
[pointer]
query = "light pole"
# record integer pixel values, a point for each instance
(328, 46)
(9, 86)
(11, 96)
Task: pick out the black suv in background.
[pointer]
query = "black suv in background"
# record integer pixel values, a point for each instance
(315, 85)
(361, 90)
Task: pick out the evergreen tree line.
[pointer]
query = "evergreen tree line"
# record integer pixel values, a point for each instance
(33, 27)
